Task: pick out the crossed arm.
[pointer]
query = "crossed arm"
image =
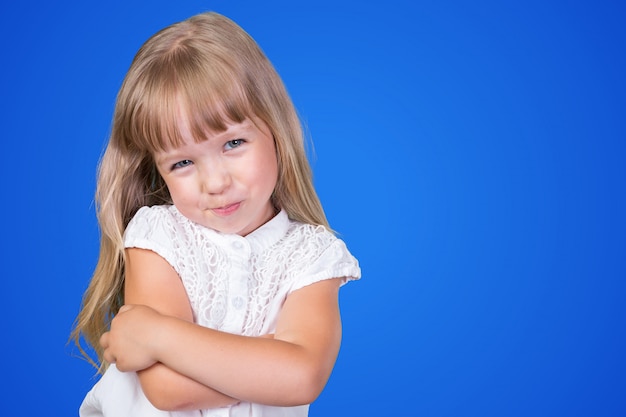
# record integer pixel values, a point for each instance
(183, 366)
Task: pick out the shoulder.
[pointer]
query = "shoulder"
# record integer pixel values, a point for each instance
(153, 214)
(311, 237)
(155, 223)
(316, 244)
(149, 217)
(314, 254)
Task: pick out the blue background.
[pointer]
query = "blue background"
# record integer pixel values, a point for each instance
(472, 155)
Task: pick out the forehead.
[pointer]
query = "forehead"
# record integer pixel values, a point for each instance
(248, 129)
(166, 109)
(187, 133)
(182, 120)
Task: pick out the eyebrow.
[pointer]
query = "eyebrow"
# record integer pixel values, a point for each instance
(161, 157)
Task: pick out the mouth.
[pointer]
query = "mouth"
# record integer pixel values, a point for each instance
(226, 210)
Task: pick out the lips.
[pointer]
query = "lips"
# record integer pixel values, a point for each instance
(226, 210)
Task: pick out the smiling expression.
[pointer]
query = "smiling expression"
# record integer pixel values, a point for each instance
(226, 181)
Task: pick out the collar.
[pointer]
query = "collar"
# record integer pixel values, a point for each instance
(269, 233)
(260, 239)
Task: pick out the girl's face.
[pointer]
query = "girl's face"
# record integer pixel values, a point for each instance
(225, 182)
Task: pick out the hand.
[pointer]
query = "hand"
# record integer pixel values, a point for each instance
(132, 338)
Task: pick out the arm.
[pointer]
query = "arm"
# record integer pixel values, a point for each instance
(290, 369)
(151, 281)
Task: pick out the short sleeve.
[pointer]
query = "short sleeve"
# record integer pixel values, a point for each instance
(335, 261)
(154, 228)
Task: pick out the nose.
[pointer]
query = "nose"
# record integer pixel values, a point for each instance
(215, 179)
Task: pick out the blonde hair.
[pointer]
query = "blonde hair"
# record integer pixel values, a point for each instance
(216, 73)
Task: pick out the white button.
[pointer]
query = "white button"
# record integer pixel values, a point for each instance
(237, 244)
(217, 312)
(238, 302)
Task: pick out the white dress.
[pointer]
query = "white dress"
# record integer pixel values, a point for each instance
(235, 284)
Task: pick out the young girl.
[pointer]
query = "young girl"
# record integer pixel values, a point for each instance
(217, 265)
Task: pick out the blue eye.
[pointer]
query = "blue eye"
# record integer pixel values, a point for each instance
(232, 144)
(182, 164)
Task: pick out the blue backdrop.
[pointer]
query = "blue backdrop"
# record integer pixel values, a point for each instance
(472, 155)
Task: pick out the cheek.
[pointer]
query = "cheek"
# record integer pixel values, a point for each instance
(178, 191)
(261, 169)
(269, 172)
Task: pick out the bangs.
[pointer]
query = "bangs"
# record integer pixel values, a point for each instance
(184, 94)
